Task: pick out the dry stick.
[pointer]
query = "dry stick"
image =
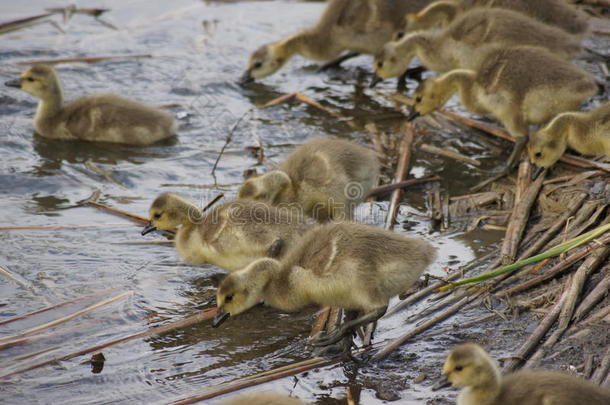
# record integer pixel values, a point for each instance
(62, 304)
(55, 227)
(402, 171)
(14, 24)
(69, 317)
(600, 374)
(103, 207)
(88, 59)
(35, 338)
(145, 242)
(433, 287)
(573, 292)
(200, 316)
(231, 387)
(228, 140)
(530, 344)
(595, 296)
(387, 349)
(449, 153)
(320, 322)
(581, 176)
(386, 188)
(518, 221)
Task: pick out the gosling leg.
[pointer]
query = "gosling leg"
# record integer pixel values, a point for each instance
(510, 165)
(344, 346)
(338, 61)
(276, 248)
(348, 327)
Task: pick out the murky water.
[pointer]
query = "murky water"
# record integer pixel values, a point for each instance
(199, 50)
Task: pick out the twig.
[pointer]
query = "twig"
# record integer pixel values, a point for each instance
(88, 59)
(450, 154)
(386, 188)
(200, 316)
(55, 227)
(595, 296)
(228, 141)
(15, 24)
(104, 207)
(69, 317)
(402, 171)
(530, 344)
(518, 221)
(600, 374)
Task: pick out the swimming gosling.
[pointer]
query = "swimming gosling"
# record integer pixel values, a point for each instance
(96, 118)
(460, 44)
(518, 86)
(346, 265)
(230, 236)
(470, 367)
(324, 178)
(263, 398)
(359, 26)
(553, 12)
(585, 132)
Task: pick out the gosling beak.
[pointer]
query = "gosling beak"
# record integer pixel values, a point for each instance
(148, 228)
(537, 171)
(220, 317)
(413, 114)
(441, 383)
(13, 83)
(246, 77)
(375, 81)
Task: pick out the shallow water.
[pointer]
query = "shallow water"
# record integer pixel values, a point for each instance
(199, 50)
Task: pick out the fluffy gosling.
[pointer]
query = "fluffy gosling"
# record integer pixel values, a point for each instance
(263, 398)
(325, 178)
(359, 26)
(518, 86)
(585, 132)
(347, 265)
(460, 44)
(553, 12)
(230, 236)
(470, 367)
(97, 118)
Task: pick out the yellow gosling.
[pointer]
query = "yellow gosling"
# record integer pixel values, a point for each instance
(230, 236)
(97, 118)
(469, 367)
(585, 132)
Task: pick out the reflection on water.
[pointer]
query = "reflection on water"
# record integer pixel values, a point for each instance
(195, 69)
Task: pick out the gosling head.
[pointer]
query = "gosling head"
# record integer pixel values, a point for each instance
(169, 211)
(243, 289)
(468, 365)
(264, 62)
(427, 97)
(387, 63)
(545, 148)
(41, 81)
(268, 187)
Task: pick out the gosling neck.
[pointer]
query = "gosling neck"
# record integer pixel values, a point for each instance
(424, 45)
(50, 104)
(188, 214)
(294, 44)
(565, 123)
(285, 290)
(487, 388)
(444, 10)
(459, 81)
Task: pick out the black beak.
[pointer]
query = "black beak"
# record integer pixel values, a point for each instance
(220, 317)
(13, 83)
(246, 77)
(537, 171)
(441, 383)
(148, 228)
(375, 81)
(413, 114)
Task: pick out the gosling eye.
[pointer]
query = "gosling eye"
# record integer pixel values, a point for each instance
(229, 298)
(157, 216)
(418, 99)
(458, 368)
(257, 65)
(400, 35)
(380, 64)
(538, 154)
(30, 79)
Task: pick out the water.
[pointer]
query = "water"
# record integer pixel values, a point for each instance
(199, 50)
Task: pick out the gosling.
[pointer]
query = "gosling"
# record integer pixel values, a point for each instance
(552, 12)
(517, 85)
(230, 236)
(346, 265)
(263, 398)
(97, 118)
(359, 26)
(325, 178)
(470, 367)
(459, 45)
(586, 132)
